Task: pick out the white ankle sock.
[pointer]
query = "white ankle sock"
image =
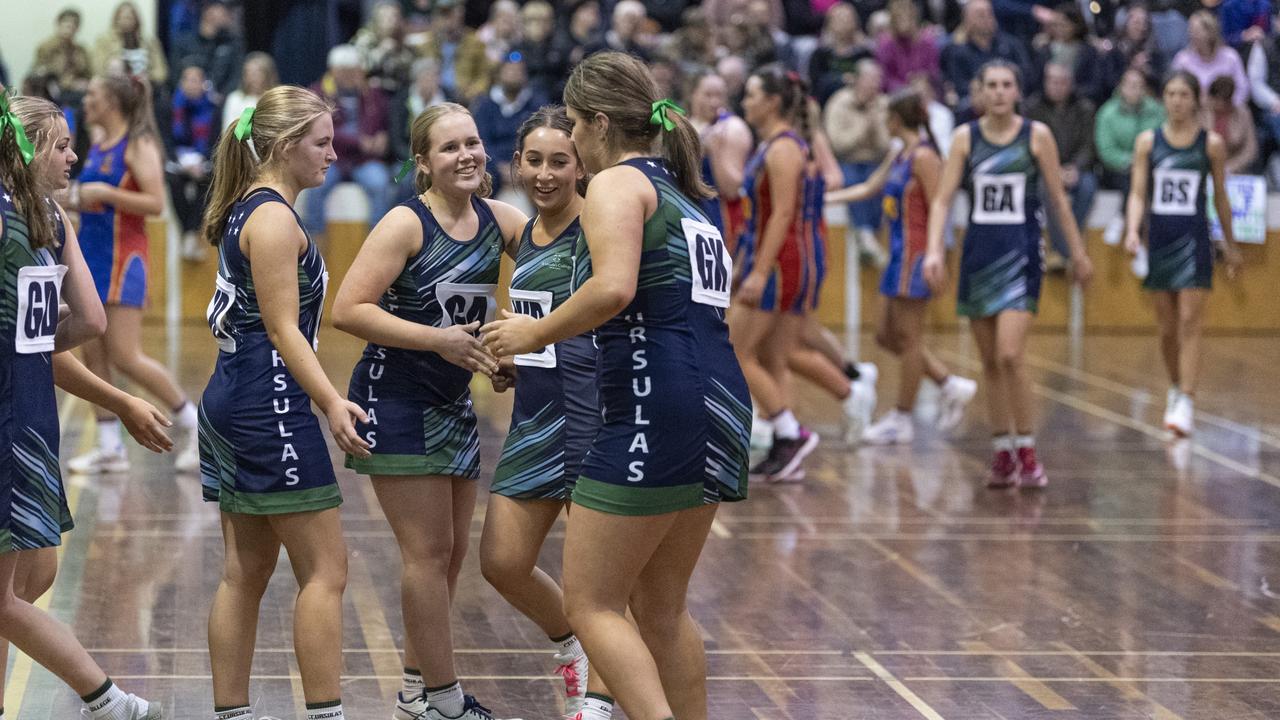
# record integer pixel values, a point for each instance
(109, 434)
(596, 707)
(411, 683)
(785, 425)
(239, 713)
(185, 416)
(570, 648)
(327, 711)
(111, 704)
(1024, 441)
(448, 700)
(1002, 442)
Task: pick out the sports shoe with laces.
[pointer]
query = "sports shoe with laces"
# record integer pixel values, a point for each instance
(1030, 471)
(573, 670)
(789, 453)
(861, 401)
(188, 459)
(471, 710)
(135, 709)
(894, 428)
(1004, 471)
(955, 396)
(99, 460)
(410, 708)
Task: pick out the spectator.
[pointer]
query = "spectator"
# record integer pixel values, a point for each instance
(1120, 120)
(583, 36)
(626, 29)
(422, 92)
(1070, 118)
(840, 48)
(215, 47)
(971, 107)
(1066, 42)
(501, 33)
(499, 114)
(746, 40)
(1244, 20)
(1134, 46)
(733, 70)
(693, 43)
(1234, 123)
(464, 65)
(64, 59)
(907, 49)
(417, 18)
(1022, 19)
(140, 54)
(193, 133)
(360, 137)
(977, 42)
(258, 76)
(1264, 83)
(547, 67)
(381, 43)
(759, 15)
(720, 12)
(1208, 57)
(854, 119)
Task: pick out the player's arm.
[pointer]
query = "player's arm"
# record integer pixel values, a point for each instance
(1136, 203)
(143, 421)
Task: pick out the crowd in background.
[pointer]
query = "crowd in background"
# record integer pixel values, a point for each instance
(1088, 72)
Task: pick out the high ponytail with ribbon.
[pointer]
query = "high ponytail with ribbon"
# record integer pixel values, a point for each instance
(18, 149)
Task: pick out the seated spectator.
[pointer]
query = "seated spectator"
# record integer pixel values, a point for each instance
(1022, 19)
(746, 40)
(1070, 118)
(840, 48)
(501, 33)
(626, 30)
(1133, 47)
(258, 76)
(1129, 112)
(583, 36)
(498, 115)
(1065, 41)
(381, 43)
(693, 43)
(216, 47)
(759, 15)
(854, 119)
(1234, 123)
(1264, 83)
(140, 54)
(63, 59)
(1208, 57)
(360, 137)
(733, 70)
(548, 68)
(422, 92)
(1244, 21)
(907, 49)
(193, 133)
(464, 64)
(977, 42)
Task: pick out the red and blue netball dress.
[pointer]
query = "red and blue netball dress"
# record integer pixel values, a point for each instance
(797, 272)
(1002, 262)
(114, 241)
(556, 412)
(33, 503)
(261, 448)
(1181, 253)
(677, 415)
(421, 421)
(906, 209)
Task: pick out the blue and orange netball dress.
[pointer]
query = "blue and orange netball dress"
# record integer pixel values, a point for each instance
(906, 209)
(114, 241)
(33, 503)
(1181, 253)
(261, 448)
(677, 415)
(797, 272)
(1002, 263)
(421, 420)
(556, 412)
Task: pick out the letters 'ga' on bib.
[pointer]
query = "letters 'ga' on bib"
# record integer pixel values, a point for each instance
(464, 303)
(536, 304)
(39, 291)
(712, 267)
(1175, 192)
(1000, 199)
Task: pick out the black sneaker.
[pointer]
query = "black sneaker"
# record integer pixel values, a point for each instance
(789, 453)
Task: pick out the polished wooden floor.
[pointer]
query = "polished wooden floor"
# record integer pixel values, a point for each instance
(889, 585)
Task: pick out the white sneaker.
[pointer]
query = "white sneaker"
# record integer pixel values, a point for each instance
(573, 669)
(414, 708)
(869, 247)
(100, 460)
(1139, 264)
(894, 428)
(188, 459)
(956, 393)
(471, 710)
(1181, 420)
(138, 709)
(193, 250)
(761, 433)
(1114, 231)
(1170, 401)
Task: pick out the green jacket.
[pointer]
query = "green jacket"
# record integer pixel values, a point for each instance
(1117, 126)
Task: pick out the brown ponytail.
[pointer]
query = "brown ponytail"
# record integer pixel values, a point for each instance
(420, 146)
(621, 87)
(908, 106)
(283, 116)
(133, 97)
(36, 116)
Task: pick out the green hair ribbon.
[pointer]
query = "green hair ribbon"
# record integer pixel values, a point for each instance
(10, 119)
(658, 116)
(406, 167)
(245, 126)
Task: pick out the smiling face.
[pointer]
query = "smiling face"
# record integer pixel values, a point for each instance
(455, 159)
(549, 169)
(54, 158)
(307, 161)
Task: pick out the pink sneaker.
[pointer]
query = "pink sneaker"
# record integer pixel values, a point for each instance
(1031, 472)
(1004, 471)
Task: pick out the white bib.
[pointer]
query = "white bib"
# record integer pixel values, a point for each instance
(535, 304)
(712, 268)
(1174, 192)
(464, 303)
(1000, 199)
(224, 296)
(39, 289)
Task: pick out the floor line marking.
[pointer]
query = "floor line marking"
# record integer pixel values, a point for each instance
(898, 687)
(529, 678)
(1127, 689)
(373, 622)
(748, 651)
(1024, 681)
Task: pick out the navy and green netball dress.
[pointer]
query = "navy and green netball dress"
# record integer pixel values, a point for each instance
(1181, 254)
(420, 417)
(1001, 265)
(261, 448)
(33, 503)
(556, 412)
(677, 416)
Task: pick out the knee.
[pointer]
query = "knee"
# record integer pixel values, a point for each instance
(330, 575)
(1009, 362)
(1188, 325)
(248, 578)
(504, 568)
(37, 583)
(431, 559)
(886, 338)
(657, 615)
